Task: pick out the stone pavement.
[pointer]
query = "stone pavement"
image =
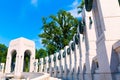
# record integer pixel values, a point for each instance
(28, 76)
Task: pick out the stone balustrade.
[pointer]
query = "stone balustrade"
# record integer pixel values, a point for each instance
(94, 51)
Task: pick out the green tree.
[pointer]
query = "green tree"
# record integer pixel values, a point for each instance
(58, 31)
(40, 53)
(3, 53)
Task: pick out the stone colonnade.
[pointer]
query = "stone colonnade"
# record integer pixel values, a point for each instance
(94, 51)
(74, 62)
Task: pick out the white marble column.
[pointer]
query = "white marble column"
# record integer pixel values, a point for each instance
(90, 42)
(51, 65)
(2, 65)
(106, 34)
(47, 63)
(66, 64)
(41, 65)
(8, 62)
(36, 65)
(76, 56)
(82, 54)
(56, 67)
(60, 68)
(70, 76)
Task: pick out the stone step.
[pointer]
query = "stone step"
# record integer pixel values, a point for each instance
(52, 78)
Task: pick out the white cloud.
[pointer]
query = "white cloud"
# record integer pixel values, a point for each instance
(74, 10)
(74, 4)
(34, 3)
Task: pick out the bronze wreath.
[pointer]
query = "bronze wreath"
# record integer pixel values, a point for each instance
(73, 46)
(76, 39)
(68, 51)
(59, 57)
(64, 54)
(54, 58)
(88, 5)
(49, 60)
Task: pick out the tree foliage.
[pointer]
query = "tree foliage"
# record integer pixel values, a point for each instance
(81, 6)
(58, 30)
(3, 53)
(40, 53)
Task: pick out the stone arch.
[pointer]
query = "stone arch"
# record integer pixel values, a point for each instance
(23, 47)
(13, 54)
(26, 63)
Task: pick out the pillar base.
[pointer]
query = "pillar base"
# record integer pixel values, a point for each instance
(102, 76)
(87, 76)
(119, 68)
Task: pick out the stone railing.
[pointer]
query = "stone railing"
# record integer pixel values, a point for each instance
(83, 59)
(71, 62)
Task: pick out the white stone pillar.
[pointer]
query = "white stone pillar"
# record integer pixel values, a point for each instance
(82, 55)
(90, 30)
(66, 64)
(8, 62)
(63, 67)
(41, 65)
(32, 59)
(51, 65)
(56, 71)
(60, 68)
(2, 65)
(44, 65)
(76, 56)
(21, 62)
(36, 65)
(90, 42)
(107, 35)
(47, 64)
(70, 75)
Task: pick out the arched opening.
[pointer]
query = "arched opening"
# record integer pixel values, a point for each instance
(13, 59)
(26, 64)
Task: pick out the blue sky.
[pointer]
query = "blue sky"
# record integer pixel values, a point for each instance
(22, 18)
